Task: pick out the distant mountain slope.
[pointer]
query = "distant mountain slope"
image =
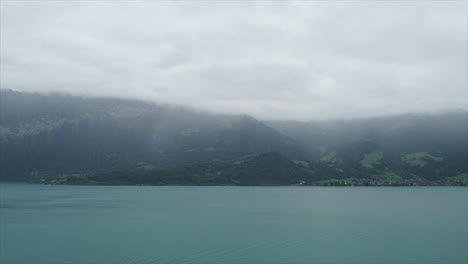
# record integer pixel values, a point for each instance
(433, 146)
(58, 134)
(421, 129)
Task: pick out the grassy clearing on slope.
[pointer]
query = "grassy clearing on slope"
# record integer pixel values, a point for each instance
(212, 174)
(420, 159)
(302, 163)
(242, 159)
(390, 175)
(372, 158)
(459, 177)
(330, 157)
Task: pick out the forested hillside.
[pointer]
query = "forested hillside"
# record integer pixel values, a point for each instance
(432, 146)
(71, 139)
(59, 134)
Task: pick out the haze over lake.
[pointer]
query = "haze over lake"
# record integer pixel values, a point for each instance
(142, 224)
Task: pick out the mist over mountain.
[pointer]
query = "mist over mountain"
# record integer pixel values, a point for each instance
(430, 145)
(50, 135)
(444, 131)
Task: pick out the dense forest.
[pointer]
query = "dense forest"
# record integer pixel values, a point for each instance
(77, 140)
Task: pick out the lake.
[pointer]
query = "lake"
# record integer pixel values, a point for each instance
(175, 224)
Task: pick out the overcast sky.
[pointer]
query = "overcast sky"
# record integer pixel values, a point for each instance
(272, 60)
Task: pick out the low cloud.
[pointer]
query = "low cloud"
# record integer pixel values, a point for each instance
(272, 60)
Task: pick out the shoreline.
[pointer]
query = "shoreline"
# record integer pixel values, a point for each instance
(428, 184)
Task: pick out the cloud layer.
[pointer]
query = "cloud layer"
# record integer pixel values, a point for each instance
(273, 60)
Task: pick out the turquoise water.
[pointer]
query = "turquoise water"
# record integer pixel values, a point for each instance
(133, 224)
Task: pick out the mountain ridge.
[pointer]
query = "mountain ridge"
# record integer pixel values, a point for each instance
(63, 134)
(51, 135)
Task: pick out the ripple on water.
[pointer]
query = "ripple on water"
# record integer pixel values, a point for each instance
(63, 224)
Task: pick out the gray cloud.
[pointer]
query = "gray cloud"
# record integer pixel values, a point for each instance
(273, 60)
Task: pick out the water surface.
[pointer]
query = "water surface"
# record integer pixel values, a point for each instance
(137, 224)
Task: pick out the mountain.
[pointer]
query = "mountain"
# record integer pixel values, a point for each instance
(431, 146)
(68, 139)
(60, 134)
